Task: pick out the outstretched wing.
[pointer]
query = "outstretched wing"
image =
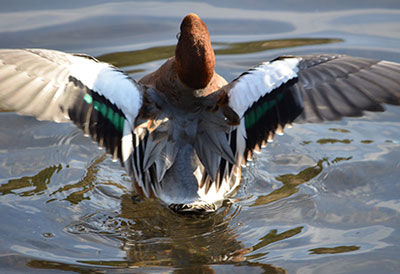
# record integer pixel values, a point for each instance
(51, 85)
(312, 88)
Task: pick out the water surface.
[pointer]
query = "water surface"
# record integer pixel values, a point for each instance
(320, 199)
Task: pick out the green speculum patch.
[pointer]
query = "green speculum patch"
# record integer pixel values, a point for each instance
(253, 116)
(107, 112)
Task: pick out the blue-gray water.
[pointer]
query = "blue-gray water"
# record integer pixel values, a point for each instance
(321, 199)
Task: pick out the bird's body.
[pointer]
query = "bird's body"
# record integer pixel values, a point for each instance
(183, 132)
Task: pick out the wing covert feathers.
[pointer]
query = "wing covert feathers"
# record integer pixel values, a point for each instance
(311, 88)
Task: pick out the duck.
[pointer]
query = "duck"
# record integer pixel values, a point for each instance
(182, 132)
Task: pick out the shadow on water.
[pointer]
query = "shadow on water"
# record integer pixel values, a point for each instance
(131, 58)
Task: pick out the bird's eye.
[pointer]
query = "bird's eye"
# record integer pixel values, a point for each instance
(178, 35)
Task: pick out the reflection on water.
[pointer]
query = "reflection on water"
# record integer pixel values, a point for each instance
(166, 239)
(189, 244)
(341, 130)
(333, 250)
(257, 46)
(290, 182)
(36, 184)
(82, 188)
(272, 237)
(130, 58)
(126, 268)
(367, 141)
(333, 141)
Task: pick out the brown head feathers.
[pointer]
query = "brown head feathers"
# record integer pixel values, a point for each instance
(194, 54)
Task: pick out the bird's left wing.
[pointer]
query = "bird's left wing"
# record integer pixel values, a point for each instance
(312, 88)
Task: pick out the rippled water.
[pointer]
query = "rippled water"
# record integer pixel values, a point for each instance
(322, 198)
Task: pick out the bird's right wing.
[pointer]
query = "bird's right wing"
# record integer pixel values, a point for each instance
(51, 85)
